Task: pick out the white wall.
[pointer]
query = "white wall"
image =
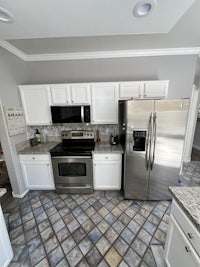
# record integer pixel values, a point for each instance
(13, 71)
(178, 69)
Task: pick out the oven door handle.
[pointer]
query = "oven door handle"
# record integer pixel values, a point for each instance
(72, 157)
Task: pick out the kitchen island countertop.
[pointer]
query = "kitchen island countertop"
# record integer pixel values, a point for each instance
(189, 200)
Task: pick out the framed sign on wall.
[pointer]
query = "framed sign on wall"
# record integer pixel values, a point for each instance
(15, 120)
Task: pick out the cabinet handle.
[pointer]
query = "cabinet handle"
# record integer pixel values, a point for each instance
(106, 157)
(191, 235)
(33, 158)
(187, 249)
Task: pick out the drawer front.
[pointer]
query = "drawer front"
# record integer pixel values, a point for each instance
(34, 157)
(187, 226)
(179, 250)
(107, 156)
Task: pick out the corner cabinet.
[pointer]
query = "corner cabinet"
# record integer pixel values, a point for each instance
(70, 94)
(107, 171)
(104, 103)
(143, 89)
(36, 101)
(183, 240)
(37, 171)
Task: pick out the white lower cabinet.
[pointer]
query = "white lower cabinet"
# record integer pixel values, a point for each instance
(37, 171)
(107, 171)
(183, 241)
(6, 253)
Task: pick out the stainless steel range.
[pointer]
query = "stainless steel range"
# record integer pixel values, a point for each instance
(72, 162)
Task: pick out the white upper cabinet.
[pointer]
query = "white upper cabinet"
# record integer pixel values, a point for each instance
(104, 103)
(60, 94)
(143, 89)
(156, 89)
(36, 101)
(130, 89)
(70, 94)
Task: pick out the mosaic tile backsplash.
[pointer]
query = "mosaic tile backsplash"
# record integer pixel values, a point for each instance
(105, 130)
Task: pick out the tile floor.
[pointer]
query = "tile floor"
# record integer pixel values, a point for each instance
(102, 229)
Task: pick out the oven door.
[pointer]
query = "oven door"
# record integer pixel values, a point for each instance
(73, 174)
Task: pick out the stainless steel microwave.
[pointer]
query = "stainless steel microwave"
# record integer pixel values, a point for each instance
(70, 114)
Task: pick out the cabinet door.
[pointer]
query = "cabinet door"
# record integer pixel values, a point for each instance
(107, 175)
(37, 175)
(80, 93)
(156, 89)
(60, 94)
(6, 252)
(178, 251)
(36, 102)
(129, 90)
(105, 103)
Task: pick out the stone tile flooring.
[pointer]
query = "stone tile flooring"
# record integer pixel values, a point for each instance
(102, 229)
(190, 175)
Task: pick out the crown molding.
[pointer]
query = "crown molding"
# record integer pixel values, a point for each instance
(101, 54)
(13, 49)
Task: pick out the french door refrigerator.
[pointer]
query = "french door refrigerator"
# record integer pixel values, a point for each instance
(153, 133)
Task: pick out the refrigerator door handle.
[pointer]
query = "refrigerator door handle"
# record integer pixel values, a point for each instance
(154, 140)
(148, 142)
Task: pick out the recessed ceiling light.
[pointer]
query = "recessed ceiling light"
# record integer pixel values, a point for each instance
(6, 16)
(144, 8)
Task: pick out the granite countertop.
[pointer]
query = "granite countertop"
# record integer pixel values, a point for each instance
(106, 147)
(38, 149)
(102, 147)
(189, 200)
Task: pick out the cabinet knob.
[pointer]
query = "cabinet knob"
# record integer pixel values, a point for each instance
(47, 164)
(187, 249)
(33, 158)
(191, 235)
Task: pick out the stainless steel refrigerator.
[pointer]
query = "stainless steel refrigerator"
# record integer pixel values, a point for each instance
(153, 135)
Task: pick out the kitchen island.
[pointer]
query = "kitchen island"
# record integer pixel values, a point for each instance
(183, 238)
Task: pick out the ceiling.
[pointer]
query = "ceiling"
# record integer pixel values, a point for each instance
(43, 29)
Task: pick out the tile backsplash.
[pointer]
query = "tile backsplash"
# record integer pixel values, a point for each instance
(54, 131)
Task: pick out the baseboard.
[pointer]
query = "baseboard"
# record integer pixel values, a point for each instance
(21, 195)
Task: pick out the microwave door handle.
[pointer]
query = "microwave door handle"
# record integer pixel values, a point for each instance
(82, 113)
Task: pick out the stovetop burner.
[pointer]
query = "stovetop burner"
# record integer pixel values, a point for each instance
(74, 143)
(60, 150)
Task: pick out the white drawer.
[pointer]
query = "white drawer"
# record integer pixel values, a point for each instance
(110, 156)
(34, 157)
(187, 226)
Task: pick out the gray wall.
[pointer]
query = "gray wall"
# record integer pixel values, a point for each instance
(196, 142)
(13, 71)
(178, 69)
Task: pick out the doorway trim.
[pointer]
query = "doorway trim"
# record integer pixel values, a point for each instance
(191, 123)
